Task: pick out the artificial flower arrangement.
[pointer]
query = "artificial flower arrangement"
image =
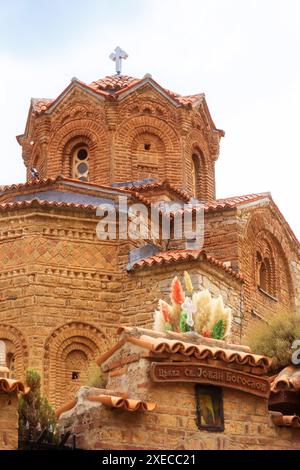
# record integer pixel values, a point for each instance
(193, 311)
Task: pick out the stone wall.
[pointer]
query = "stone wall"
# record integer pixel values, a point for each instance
(8, 421)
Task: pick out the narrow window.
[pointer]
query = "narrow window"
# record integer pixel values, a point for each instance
(75, 375)
(81, 164)
(263, 277)
(196, 175)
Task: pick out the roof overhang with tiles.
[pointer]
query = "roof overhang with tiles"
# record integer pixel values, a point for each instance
(116, 89)
(176, 353)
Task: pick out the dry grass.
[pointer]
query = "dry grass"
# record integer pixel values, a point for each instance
(274, 338)
(95, 377)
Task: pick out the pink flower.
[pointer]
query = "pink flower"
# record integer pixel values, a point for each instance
(164, 308)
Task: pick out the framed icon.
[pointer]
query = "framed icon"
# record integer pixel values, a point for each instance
(209, 408)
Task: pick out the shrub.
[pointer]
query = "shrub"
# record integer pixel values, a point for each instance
(274, 338)
(34, 409)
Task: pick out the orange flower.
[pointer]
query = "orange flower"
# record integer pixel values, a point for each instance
(177, 294)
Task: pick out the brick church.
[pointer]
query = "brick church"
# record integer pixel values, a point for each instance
(64, 291)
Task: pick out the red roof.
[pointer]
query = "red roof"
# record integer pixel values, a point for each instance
(174, 256)
(114, 85)
(232, 202)
(156, 186)
(114, 82)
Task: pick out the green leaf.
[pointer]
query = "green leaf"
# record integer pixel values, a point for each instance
(218, 330)
(184, 327)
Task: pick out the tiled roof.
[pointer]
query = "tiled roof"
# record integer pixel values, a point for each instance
(13, 386)
(161, 345)
(176, 256)
(30, 184)
(232, 202)
(287, 379)
(114, 82)
(127, 404)
(42, 203)
(115, 85)
(201, 352)
(287, 421)
(108, 400)
(157, 186)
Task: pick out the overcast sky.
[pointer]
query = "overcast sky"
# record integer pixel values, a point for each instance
(243, 54)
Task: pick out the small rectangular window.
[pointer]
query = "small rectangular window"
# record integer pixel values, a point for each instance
(209, 408)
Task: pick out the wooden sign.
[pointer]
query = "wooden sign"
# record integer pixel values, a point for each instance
(205, 374)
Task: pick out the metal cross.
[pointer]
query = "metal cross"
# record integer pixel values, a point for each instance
(117, 57)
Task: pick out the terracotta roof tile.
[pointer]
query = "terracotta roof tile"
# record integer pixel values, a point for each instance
(157, 186)
(114, 82)
(287, 421)
(287, 379)
(112, 86)
(110, 401)
(232, 202)
(174, 256)
(200, 349)
(211, 342)
(65, 407)
(201, 352)
(13, 386)
(49, 204)
(127, 404)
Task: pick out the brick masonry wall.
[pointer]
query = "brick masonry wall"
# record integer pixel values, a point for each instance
(115, 134)
(8, 421)
(236, 236)
(63, 290)
(172, 425)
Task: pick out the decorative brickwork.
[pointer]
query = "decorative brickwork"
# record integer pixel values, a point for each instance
(63, 291)
(143, 133)
(69, 351)
(172, 423)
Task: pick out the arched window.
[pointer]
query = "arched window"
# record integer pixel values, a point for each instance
(196, 176)
(265, 274)
(80, 163)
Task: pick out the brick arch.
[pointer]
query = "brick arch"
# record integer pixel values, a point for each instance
(12, 334)
(195, 145)
(89, 131)
(68, 338)
(263, 233)
(126, 135)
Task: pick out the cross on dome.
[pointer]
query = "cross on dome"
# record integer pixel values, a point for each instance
(117, 56)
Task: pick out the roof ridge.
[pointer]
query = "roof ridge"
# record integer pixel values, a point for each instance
(174, 256)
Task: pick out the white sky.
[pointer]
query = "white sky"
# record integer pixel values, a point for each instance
(244, 54)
